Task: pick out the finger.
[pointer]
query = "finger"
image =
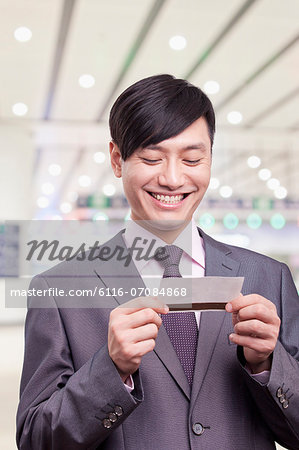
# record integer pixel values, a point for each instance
(143, 347)
(247, 300)
(122, 322)
(261, 346)
(235, 318)
(148, 331)
(143, 317)
(139, 303)
(258, 311)
(229, 305)
(255, 328)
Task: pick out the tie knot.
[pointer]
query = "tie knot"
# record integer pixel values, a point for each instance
(171, 261)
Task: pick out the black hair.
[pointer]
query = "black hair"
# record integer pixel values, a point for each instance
(157, 108)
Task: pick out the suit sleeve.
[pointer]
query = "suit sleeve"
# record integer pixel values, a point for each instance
(278, 401)
(60, 408)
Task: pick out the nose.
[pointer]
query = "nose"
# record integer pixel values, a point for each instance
(172, 175)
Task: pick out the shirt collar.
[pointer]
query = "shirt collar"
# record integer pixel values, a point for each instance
(189, 241)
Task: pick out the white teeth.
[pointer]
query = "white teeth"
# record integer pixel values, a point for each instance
(170, 199)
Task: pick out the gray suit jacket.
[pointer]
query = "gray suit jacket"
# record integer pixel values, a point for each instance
(70, 385)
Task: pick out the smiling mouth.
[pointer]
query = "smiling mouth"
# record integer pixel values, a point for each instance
(168, 199)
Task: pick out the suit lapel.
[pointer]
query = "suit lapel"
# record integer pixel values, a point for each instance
(165, 351)
(121, 276)
(118, 271)
(218, 263)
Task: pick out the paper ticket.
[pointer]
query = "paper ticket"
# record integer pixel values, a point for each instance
(206, 293)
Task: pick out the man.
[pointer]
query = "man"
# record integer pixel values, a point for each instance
(114, 376)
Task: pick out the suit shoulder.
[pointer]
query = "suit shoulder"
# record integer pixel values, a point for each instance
(246, 253)
(241, 254)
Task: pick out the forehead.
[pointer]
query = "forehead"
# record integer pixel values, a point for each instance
(195, 136)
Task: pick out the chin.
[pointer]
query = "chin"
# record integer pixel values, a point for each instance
(167, 224)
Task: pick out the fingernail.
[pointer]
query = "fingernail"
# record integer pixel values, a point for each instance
(231, 336)
(229, 307)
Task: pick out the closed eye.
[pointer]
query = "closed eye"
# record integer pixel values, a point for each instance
(154, 161)
(189, 161)
(150, 161)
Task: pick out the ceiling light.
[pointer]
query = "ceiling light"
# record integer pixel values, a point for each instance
(177, 42)
(214, 183)
(254, 221)
(86, 81)
(225, 191)
(273, 183)
(42, 202)
(65, 207)
(54, 170)
(47, 188)
(109, 190)
(234, 117)
(23, 34)
(277, 221)
(211, 87)
(280, 192)
(99, 157)
(253, 162)
(230, 221)
(84, 180)
(206, 221)
(20, 109)
(264, 174)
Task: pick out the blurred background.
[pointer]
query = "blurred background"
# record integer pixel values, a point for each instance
(64, 62)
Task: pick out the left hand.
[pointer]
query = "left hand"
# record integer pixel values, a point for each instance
(256, 329)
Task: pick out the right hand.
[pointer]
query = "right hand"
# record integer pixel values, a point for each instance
(133, 328)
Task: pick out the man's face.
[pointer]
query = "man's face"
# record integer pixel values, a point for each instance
(167, 181)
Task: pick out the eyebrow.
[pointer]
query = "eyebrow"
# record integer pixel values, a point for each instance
(197, 146)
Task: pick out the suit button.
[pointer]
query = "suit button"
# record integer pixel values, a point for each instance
(106, 423)
(197, 429)
(118, 410)
(279, 392)
(282, 398)
(112, 417)
(285, 404)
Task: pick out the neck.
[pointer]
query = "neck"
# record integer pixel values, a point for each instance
(168, 230)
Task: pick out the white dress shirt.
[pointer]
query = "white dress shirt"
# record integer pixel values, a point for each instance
(192, 264)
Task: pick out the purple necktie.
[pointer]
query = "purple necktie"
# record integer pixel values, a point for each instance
(181, 327)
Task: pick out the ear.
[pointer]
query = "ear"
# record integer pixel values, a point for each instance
(115, 159)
